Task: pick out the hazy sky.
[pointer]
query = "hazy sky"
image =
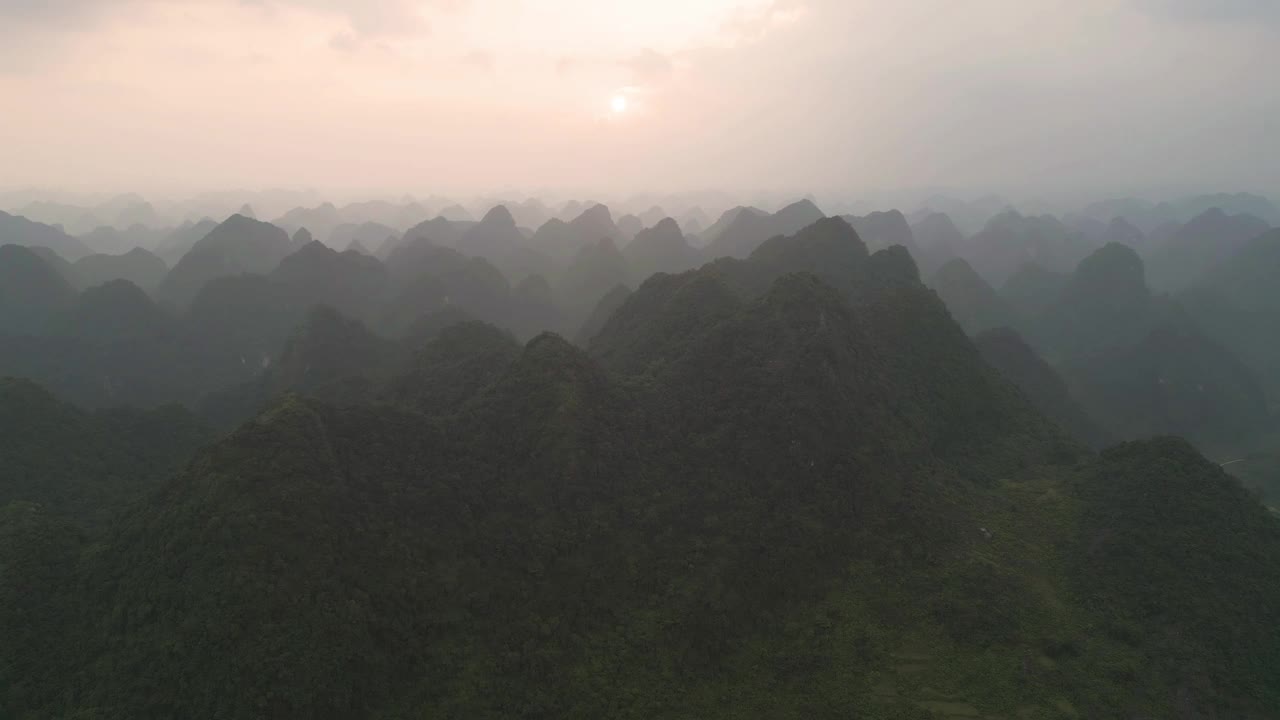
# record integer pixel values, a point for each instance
(804, 95)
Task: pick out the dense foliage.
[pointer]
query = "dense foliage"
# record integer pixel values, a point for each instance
(785, 485)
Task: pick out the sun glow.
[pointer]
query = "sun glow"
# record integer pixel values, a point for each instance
(618, 104)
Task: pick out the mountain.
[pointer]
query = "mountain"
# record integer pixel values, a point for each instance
(1005, 350)
(238, 245)
(64, 269)
(494, 236)
(1156, 562)
(1143, 214)
(457, 213)
(1010, 240)
(968, 215)
(180, 241)
(32, 293)
(454, 367)
(368, 234)
(329, 357)
(604, 310)
(87, 467)
(17, 230)
(352, 283)
(1031, 289)
(974, 304)
(595, 270)
(1174, 381)
(748, 229)
(1238, 306)
(1248, 277)
(1121, 232)
(118, 311)
(938, 239)
(653, 216)
(1233, 204)
(593, 225)
(558, 241)
(1105, 304)
(114, 241)
(534, 309)
(440, 231)
(716, 229)
(661, 248)
(321, 220)
(251, 316)
(628, 227)
(140, 267)
(1205, 242)
(880, 230)
(427, 279)
(692, 218)
(788, 494)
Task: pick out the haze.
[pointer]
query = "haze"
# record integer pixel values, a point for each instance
(1086, 97)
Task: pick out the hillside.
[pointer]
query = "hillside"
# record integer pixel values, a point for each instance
(784, 486)
(236, 246)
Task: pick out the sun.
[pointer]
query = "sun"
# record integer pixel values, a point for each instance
(618, 104)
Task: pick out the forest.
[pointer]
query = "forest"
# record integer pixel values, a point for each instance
(388, 460)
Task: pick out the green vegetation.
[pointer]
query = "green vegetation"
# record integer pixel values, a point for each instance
(786, 486)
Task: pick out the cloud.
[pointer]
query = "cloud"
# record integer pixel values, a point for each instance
(648, 67)
(480, 60)
(1251, 11)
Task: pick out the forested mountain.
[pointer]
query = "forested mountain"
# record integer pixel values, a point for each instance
(1005, 350)
(1206, 241)
(140, 267)
(973, 303)
(180, 241)
(366, 234)
(17, 230)
(1011, 239)
(596, 269)
(1032, 288)
(759, 493)
(785, 484)
(660, 248)
(564, 240)
(32, 293)
(238, 245)
(86, 467)
(938, 239)
(748, 229)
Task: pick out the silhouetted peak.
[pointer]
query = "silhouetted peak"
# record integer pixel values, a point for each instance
(549, 359)
(804, 300)
(800, 211)
(895, 265)
(115, 292)
(247, 211)
(499, 216)
(1110, 269)
(315, 248)
(238, 221)
(825, 238)
(594, 223)
(534, 287)
(668, 227)
(1212, 215)
(301, 237)
(959, 269)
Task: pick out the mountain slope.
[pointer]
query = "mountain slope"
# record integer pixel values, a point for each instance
(238, 245)
(973, 303)
(776, 497)
(140, 267)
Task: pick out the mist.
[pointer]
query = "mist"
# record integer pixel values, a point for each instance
(1057, 99)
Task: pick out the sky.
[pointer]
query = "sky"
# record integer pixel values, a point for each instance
(1088, 97)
